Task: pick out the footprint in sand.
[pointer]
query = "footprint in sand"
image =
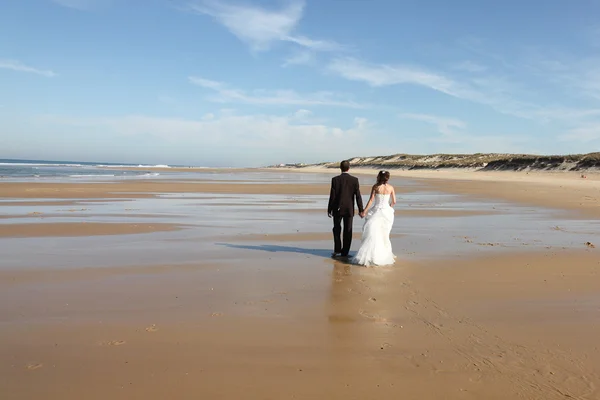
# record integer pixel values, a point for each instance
(34, 366)
(152, 328)
(375, 318)
(113, 343)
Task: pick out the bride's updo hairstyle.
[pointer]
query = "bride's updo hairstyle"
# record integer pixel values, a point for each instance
(382, 178)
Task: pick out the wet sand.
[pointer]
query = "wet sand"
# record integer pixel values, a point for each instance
(489, 299)
(580, 196)
(521, 327)
(31, 230)
(558, 190)
(139, 189)
(418, 213)
(291, 237)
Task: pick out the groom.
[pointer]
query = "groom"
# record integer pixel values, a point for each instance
(344, 188)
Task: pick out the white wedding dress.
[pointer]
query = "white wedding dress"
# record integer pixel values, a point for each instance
(376, 247)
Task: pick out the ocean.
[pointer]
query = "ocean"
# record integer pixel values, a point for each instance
(42, 169)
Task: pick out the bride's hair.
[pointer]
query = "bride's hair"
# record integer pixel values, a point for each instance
(382, 178)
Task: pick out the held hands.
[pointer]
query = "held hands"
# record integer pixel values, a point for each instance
(361, 214)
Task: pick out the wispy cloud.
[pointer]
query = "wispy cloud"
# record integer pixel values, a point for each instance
(489, 90)
(446, 126)
(493, 90)
(259, 27)
(386, 75)
(316, 45)
(227, 94)
(15, 65)
(299, 58)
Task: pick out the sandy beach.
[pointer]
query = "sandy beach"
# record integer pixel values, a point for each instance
(567, 190)
(219, 284)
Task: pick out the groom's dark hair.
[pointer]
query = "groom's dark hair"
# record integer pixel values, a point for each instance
(345, 165)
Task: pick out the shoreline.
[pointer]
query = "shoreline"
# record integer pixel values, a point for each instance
(558, 190)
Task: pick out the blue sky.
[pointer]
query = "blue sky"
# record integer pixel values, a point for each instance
(256, 82)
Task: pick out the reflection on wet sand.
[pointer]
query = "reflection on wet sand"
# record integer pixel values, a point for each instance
(358, 318)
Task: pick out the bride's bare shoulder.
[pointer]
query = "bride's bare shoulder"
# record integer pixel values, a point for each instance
(389, 189)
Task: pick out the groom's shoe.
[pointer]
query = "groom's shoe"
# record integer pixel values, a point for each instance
(335, 255)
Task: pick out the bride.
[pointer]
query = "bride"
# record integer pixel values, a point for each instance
(376, 248)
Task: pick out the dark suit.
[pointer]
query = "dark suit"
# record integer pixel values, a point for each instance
(344, 189)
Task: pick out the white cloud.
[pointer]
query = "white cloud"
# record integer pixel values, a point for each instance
(316, 45)
(299, 58)
(260, 138)
(206, 83)
(259, 27)
(302, 114)
(446, 126)
(226, 94)
(15, 65)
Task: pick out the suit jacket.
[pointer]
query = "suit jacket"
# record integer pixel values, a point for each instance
(344, 189)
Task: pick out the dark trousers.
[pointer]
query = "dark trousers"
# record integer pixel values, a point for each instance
(337, 230)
